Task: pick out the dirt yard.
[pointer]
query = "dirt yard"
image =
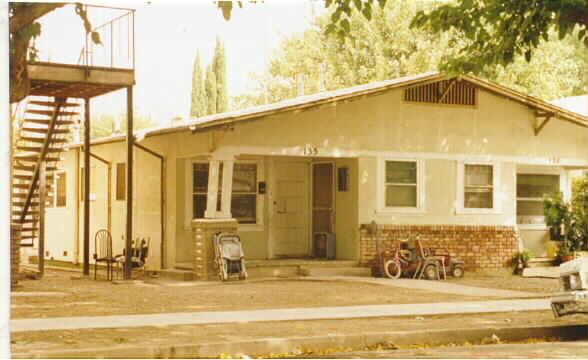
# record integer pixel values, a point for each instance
(87, 297)
(509, 282)
(61, 294)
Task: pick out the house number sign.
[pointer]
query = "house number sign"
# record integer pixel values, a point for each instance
(310, 150)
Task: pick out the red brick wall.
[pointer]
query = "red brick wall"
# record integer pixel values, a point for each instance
(14, 252)
(481, 247)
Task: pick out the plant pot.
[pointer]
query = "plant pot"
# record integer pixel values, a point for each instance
(565, 258)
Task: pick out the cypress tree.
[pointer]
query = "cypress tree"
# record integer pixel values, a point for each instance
(210, 89)
(198, 107)
(219, 64)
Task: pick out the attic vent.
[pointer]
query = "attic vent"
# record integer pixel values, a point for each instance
(448, 92)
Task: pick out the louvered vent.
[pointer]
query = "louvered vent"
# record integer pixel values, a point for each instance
(448, 92)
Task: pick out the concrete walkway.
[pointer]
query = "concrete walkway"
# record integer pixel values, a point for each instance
(343, 312)
(436, 286)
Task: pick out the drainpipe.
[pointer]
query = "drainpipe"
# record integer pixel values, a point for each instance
(77, 197)
(162, 197)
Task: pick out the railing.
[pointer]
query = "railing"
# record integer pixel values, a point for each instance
(117, 37)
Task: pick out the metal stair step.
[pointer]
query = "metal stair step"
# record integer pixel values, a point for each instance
(44, 131)
(37, 149)
(30, 177)
(50, 112)
(41, 140)
(34, 158)
(52, 104)
(21, 203)
(46, 122)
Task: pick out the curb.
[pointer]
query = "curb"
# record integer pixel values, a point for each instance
(265, 346)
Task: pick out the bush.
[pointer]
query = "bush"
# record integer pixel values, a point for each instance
(569, 218)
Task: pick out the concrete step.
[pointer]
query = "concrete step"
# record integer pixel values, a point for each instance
(175, 275)
(335, 271)
(542, 262)
(542, 271)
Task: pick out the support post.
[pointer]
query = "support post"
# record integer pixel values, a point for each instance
(212, 196)
(86, 185)
(130, 146)
(42, 199)
(227, 188)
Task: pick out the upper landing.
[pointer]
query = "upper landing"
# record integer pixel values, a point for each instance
(102, 66)
(77, 81)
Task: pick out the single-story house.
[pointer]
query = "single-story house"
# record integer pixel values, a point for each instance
(460, 163)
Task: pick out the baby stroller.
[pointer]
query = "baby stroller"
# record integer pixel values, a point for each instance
(229, 256)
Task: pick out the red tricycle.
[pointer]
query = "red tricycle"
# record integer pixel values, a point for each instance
(416, 262)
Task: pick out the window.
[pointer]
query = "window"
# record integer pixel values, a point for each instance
(401, 189)
(478, 187)
(244, 194)
(60, 190)
(199, 189)
(121, 178)
(244, 199)
(57, 198)
(530, 191)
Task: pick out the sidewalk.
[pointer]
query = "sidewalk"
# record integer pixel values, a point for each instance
(319, 313)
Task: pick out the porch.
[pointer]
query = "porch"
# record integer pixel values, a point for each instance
(281, 268)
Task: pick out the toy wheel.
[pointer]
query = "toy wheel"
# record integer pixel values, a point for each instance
(431, 272)
(457, 271)
(392, 269)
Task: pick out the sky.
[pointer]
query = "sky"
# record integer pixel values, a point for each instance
(167, 36)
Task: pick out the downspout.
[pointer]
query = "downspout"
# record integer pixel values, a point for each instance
(162, 197)
(78, 192)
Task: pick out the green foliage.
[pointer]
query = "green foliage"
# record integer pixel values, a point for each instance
(198, 106)
(497, 31)
(569, 216)
(104, 125)
(220, 73)
(368, 54)
(525, 256)
(210, 89)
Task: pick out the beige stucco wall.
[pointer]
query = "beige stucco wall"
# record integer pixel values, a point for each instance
(360, 134)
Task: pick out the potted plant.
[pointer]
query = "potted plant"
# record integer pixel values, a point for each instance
(564, 253)
(521, 261)
(557, 215)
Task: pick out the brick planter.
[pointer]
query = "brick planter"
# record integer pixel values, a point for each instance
(203, 231)
(481, 247)
(15, 233)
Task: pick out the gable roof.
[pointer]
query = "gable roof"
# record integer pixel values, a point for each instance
(231, 118)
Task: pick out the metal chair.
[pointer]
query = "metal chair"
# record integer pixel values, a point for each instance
(426, 259)
(103, 252)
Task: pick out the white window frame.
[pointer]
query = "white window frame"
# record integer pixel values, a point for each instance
(259, 212)
(381, 192)
(496, 188)
(565, 187)
(54, 196)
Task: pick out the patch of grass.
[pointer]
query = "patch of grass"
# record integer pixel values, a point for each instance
(65, 264)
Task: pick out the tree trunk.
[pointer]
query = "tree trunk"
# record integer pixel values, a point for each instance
(19, 77)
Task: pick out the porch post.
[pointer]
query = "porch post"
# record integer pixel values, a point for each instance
(86, 186)
(227, 188)
(212, 196)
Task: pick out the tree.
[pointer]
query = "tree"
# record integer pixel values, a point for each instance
(368, 55)
(22, 29)
(198, 107)
(210, 88)
(220, 72)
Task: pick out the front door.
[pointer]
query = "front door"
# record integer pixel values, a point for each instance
(291, 205)
(323, 205)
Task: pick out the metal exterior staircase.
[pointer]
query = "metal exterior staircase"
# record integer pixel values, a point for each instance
(41, 138)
